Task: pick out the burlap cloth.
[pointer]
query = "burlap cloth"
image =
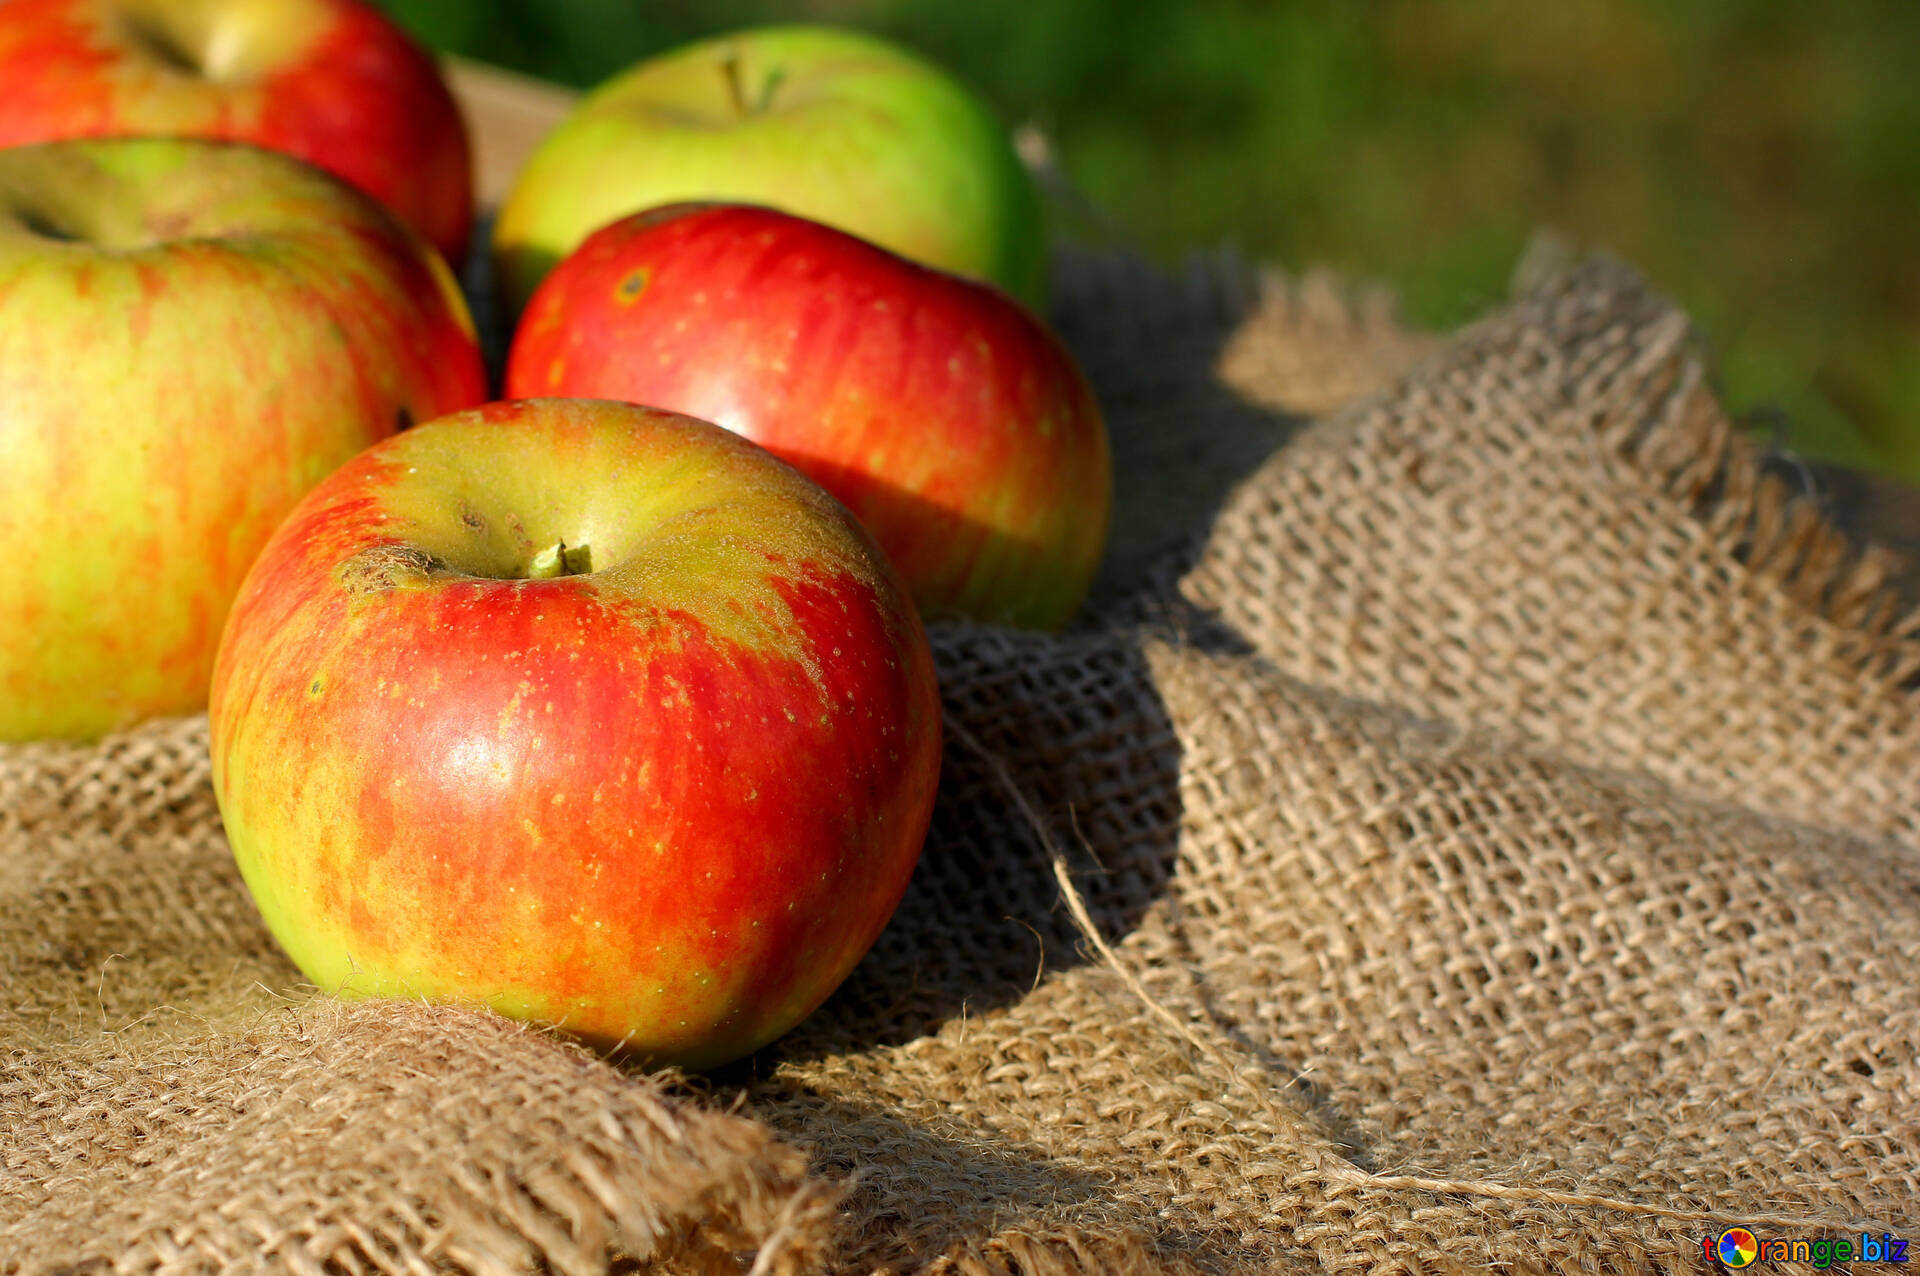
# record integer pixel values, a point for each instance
(1478, 830)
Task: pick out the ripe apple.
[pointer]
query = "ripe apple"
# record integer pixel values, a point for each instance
(830, 124)
(951, 421)
(334, 82)
(599, 715)
(192, 334)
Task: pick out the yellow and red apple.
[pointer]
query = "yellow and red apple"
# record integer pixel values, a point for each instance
(192, 334)
(598, 715)
(831, 124)
(334, 82)
(950, 420)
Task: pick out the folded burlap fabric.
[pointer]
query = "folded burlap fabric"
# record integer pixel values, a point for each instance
(1478, 830)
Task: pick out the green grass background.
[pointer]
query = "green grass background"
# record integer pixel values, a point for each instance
(1759, 159)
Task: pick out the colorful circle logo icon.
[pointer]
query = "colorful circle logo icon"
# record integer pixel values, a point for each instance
(1737, 1247)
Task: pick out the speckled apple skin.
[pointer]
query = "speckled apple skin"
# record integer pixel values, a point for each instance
(947, 417)
(665, 805)
(192, 334)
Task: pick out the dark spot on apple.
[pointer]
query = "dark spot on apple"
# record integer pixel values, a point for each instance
(314, 690)
(379, 568)
(159, 43)
(634, 284)
(473, 519)
(38, 223)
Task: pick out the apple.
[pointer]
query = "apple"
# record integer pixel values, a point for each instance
(598, 715)
(830, 124)
(334, 82)
(192, 334)
(950, 420)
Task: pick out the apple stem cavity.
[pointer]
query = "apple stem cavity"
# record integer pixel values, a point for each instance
(737, 89)
(560, 559)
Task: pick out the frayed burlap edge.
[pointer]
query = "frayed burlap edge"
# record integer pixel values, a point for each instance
(558, 1161)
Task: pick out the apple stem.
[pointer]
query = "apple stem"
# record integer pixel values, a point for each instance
(548, 563)
(560, 559)
(730, 67)
(767, 90)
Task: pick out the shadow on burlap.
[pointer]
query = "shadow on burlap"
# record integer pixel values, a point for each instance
(1475, 831)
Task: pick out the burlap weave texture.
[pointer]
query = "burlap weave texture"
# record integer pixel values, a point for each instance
(1475, 831)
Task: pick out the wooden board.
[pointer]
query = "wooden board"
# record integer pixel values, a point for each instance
(507, 115)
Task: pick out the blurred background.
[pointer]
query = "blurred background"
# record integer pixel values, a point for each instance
(1759, 159)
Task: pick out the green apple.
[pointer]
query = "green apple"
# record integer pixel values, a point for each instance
(825, 123)
(192, 334)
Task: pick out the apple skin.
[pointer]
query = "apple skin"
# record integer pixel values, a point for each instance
(952, 422)
(829, 124)
(665, 804)
(192, 334)
(334, 82)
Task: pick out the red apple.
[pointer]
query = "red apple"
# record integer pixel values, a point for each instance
(334, 82)
(948, 418)
(192, 334)
(599, 715)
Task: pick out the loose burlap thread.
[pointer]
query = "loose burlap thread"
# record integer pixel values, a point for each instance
(1473, 831)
